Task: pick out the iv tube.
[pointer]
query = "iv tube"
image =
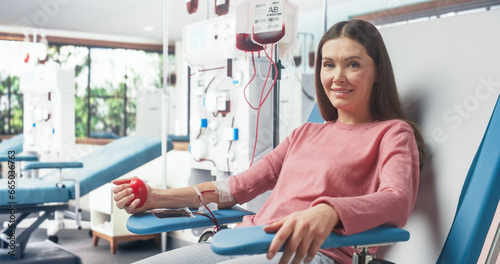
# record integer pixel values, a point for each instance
(263, 100)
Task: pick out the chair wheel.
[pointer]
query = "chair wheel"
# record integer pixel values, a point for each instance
(54, 239)
(206, 235)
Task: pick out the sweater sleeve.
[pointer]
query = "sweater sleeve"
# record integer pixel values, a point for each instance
(261, 176)
(394, 198)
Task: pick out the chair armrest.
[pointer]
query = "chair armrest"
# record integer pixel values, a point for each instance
(147, 223)
(253, 240)
(5, 158)
(53, 165)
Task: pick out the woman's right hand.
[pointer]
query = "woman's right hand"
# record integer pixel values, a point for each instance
(123, 194)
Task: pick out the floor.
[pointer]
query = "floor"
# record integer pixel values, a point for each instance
(79, 242)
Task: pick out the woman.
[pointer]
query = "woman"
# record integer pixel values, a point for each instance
(357, 171)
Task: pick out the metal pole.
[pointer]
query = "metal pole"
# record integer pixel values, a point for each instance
(9, 92)
(276, 100)
(125, 106)
(88, 96)
(208, 9)
(325, 18)
(305, 53)
(164, 104)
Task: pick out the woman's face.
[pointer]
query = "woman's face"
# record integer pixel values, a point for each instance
(348, 74)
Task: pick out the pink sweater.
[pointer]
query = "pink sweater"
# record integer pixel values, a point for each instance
(368, 173)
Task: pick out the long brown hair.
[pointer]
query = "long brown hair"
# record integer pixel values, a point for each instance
(384, 102)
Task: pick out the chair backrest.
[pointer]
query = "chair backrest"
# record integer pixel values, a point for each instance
(478, 200)
(111, 161)
(15, 143)
(315, 115)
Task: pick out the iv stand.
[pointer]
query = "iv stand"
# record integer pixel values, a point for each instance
(164, 107)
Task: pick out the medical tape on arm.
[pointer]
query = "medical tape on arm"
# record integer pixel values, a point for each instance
(224, 192)
(203, 207)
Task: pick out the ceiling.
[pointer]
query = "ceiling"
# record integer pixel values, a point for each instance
(125, 18)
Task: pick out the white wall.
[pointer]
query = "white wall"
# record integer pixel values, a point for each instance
(448, 73)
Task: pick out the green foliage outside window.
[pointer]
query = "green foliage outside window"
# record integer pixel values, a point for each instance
(16, 105)
(118, 70)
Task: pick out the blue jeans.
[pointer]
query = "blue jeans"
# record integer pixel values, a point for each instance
(201, 253)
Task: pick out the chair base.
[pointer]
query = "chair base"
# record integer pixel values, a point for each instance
(42, 252)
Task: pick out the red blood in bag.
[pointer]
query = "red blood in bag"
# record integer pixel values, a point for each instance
(192, 6)
(311, 59)
(269, 37)
(297, 60)
(221, 9)
(244, 42)
(140, 191)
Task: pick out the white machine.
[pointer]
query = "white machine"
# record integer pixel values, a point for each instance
(49, 112)
(297, 99)
(223, 125)
(148, 113)
(49, 120)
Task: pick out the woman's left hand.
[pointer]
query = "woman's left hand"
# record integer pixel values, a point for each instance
(303, 232)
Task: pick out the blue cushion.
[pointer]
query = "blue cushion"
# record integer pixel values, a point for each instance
(14, 143)
(110, 162)
(32, 191)
(147, 223)
(315, 116)
(17, 157)
(253, 240)
(99, 167)
(53, 165)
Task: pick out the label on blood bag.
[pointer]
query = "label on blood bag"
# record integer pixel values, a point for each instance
(268, 16)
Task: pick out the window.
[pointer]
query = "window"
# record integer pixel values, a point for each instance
(108, 82)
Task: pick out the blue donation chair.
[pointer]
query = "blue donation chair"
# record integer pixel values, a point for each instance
(478, 200)
(52, 192)
(477, 204)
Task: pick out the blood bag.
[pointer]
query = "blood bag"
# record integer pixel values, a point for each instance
(268, 21)
(297, 55)
(221, 7)
(287, 43)
(244, 40)
(192, 6)
(312, 59)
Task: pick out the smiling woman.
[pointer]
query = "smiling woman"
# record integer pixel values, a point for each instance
(348, 76)
(365, 173)
(358, 50)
